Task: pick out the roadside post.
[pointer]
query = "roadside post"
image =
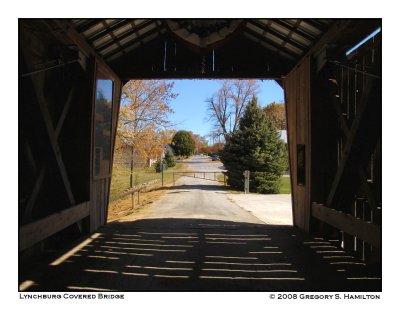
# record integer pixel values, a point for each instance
(246, 181)
(162, 174)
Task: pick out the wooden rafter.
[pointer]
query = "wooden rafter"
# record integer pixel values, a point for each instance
(295, 30)
(91, 23)
(275, 45)
(108, 29)
(315, 24)
(136, 40)
(124, 35)
(285, 39)
(67, 29)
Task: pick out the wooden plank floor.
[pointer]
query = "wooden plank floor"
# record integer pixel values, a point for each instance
(201, 255)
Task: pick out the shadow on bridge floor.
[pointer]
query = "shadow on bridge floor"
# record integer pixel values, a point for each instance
(201, 255)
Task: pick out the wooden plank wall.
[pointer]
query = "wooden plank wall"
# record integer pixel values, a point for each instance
(297, 98)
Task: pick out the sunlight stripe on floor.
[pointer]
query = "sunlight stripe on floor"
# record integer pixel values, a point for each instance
(100, 271)
(135, 274)
(26, 284)
(249, 264)
(228, 235)
(157, 267)
(169, 276)
(165, 233)
(179, 262)
(231, 257)
(87, 288)
(71, 252)
(150, 244)
(224, 242)
(254, 271)
(251, 278)
(277, 252)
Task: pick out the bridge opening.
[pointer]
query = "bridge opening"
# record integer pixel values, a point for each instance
(210, 111)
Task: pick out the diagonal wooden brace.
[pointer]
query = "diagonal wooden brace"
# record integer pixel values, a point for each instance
(361, 140)
(52, 136)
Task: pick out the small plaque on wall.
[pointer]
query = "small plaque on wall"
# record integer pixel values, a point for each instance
(301, 164)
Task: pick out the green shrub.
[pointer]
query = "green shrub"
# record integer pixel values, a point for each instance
(158, 166)
(170, 159)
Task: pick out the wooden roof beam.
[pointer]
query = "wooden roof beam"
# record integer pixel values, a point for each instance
(108, 29)
(69, 30)
(315, 24)
(91, 23)
(125, 35)
(278, 46)
(130, 43)
(282, 37)
(295, 30)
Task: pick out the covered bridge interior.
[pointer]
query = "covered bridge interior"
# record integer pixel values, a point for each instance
(70, 77)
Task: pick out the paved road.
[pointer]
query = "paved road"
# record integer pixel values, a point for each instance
(198, 198)
(204, 163)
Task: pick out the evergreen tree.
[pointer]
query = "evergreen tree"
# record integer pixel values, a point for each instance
(183, 143)
(170, 159)
(256, 147)
(158, 165)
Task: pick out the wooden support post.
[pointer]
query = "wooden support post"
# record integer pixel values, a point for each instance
(368, 190)
(138, 197)
(359, 246)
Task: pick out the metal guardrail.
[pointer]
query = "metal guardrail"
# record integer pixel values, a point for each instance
(192, 174)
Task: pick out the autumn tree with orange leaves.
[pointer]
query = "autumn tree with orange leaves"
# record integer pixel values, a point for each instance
(143, 119)
(276, 114)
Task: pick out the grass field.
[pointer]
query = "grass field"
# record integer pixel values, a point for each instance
(120, 180)
(284, 189)
(285, 186)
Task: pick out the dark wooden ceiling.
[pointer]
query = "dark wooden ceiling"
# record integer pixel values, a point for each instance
(202, 48)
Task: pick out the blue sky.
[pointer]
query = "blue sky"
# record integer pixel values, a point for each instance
(190, 106)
